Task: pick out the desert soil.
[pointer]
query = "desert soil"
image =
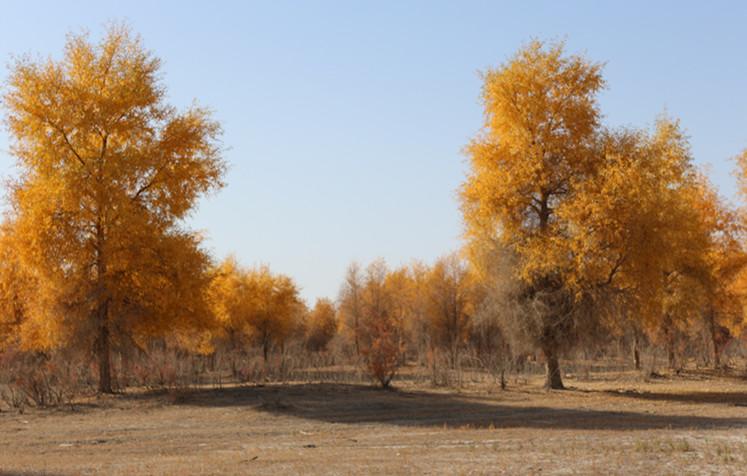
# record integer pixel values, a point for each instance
(610, 425)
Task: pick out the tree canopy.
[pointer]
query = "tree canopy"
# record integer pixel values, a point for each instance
(108, 171)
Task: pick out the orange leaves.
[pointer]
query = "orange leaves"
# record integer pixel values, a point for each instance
(564, 194)
(254, 303)
(541, 121)
(108, 171)
(384, 351)
(631, 217)
(587, 207)
(432, 304)
(451, 299)
(543, 102)
(321, 325)
(15, 287)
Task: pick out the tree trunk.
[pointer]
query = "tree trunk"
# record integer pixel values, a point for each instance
(234, 370)
(104, 350)
(454, 355)
(265, 349)
(103, 344)
(357, 339)
(553, 379)
(670, 356)
(636, 351)
(671, 337)
(637, 358)
(714, 339)
(124, 369)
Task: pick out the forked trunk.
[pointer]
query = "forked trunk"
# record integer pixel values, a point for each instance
(553, 379)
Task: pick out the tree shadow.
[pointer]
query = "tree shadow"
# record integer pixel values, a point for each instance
(738, 399)
(360, 404)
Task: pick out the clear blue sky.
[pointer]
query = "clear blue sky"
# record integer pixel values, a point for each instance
(344, 121)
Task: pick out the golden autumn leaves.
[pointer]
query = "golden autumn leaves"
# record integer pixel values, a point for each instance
(254, 304)
(570, 226)
(591, 215)
(417, 310)
(107, 171)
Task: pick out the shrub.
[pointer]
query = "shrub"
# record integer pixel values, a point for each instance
(42, 380)
(383, 354)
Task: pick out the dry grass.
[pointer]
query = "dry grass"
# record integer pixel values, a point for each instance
(613, 423)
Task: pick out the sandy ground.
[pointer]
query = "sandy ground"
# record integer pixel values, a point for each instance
(611, 425)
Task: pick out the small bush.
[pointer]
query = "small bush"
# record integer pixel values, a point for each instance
(383, 354)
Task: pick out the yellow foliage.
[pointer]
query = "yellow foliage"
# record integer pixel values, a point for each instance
(254, 304)
(16, 288)
(450, 305)
(321, 325)
(350, 308)
(588, 206)
(108, 171)
(538, 142)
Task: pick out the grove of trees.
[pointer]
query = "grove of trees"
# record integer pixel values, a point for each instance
(578, 238)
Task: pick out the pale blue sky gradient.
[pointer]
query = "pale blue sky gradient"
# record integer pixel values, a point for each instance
(344, 121)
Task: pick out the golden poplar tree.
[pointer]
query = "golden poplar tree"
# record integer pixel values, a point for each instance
(275, 308)
(350, 308)
(578, 211)
(450, 304)
(541, 120)
(321, 325)
(108, 170)
(229, 304)
(254, 305)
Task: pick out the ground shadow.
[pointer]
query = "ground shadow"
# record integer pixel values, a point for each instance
(738, 399)
(345, 403)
